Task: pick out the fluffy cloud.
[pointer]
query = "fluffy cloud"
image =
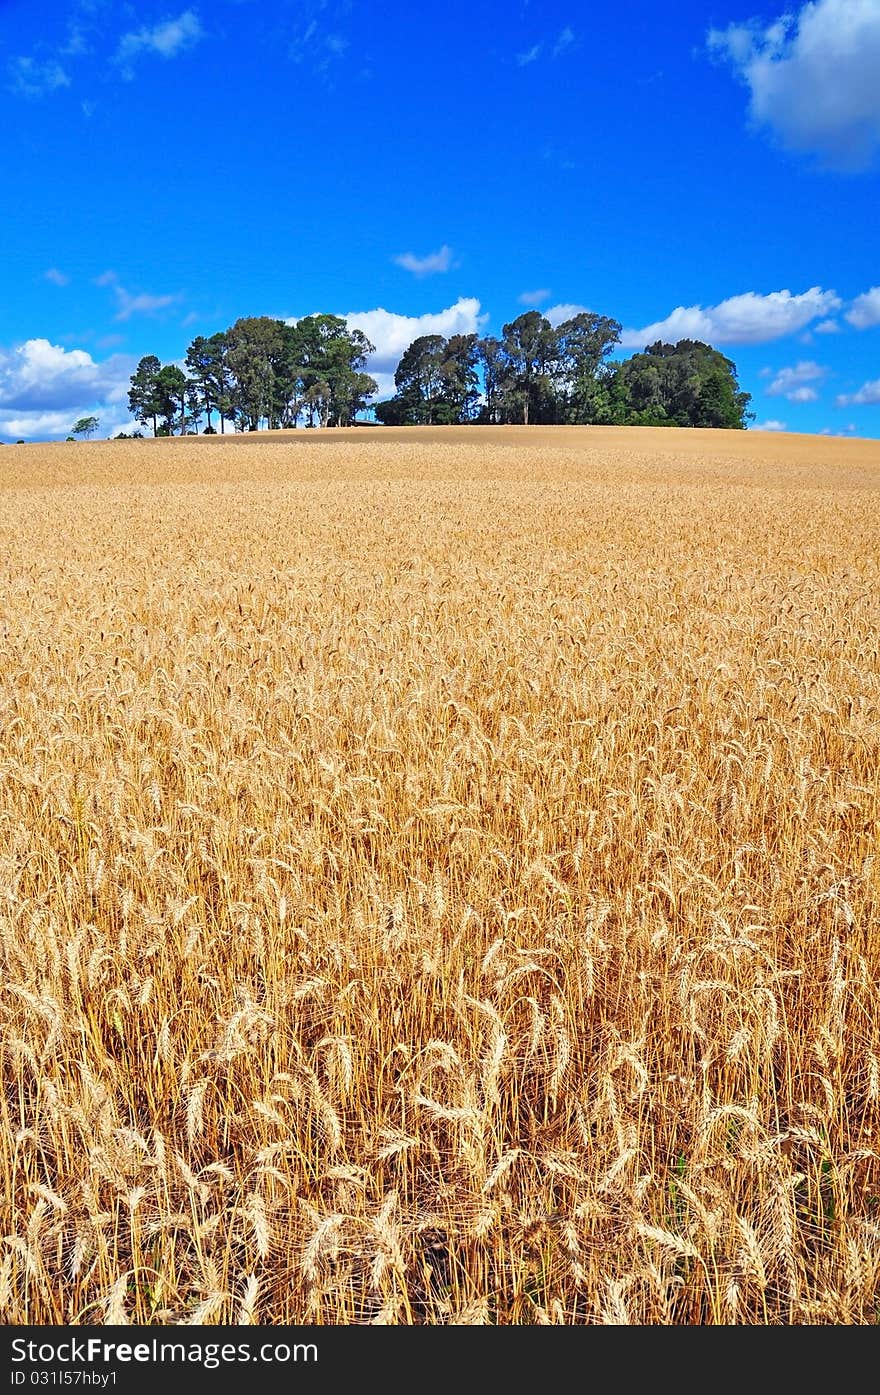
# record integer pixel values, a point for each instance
(868, 395)
(742, 319)
(40, 377)
(167, 39)
(769, 426)
(812, 77)
(827, 327)
(392, 333)
(434, 262)
(865, 309)
(793, 383)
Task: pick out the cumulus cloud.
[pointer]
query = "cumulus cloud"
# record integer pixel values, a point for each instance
(812, 77)
(392, 333)
(742, 319)
(793, 383)
(31, 79)
(827, 327)
(533, 297)
(128, 304)
(434, 262)
(771, 425)
(44, 388)
(864, 312)
(167, 39)
(41, 376)
(868, 395)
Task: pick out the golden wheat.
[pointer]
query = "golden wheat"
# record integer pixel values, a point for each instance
(440, 879)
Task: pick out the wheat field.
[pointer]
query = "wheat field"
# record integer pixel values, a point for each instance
(440, 879)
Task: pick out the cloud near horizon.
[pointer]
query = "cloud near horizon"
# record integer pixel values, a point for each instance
(868, 395)
(741, 319)
(812, 78)
(392, 333)
(44, 388)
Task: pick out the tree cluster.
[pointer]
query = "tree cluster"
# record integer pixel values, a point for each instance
(259, 372)
(541, 373)
(268, 372)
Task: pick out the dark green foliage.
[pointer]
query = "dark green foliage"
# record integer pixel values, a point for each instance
(170, 397)
(264, 371)
(143, 399)
(683, 384)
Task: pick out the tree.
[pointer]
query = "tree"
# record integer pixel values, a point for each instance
(331, 383)
(683, 384)
(209, 378)
(86, 426)
(254, 357)
(143, 399)
(461, 382)
(581, 345)
(437, 382)
(495, 378)
(170, 388)
(419, 378)
(528, 345)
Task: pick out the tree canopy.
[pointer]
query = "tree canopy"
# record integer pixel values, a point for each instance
(86, 426)
(278, 373)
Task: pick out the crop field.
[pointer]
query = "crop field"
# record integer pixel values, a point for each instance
(440, 879)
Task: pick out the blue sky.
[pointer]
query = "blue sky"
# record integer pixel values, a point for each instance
(703, 171)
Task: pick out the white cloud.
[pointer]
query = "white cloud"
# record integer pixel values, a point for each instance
(31, 79)
(769, 426)
(803, 394)
(167, 39)
(57, 277)
(792, 382)
(392, 333)
(868, 395)
(865, 309)
(812, 77)
(533, 297)
(128, 304)
(565, 40)
(38, 376)
(440, 260)
(742, 319)
(556, 314)
(827, 327)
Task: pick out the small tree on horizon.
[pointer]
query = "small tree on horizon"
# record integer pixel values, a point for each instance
(86, 426)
